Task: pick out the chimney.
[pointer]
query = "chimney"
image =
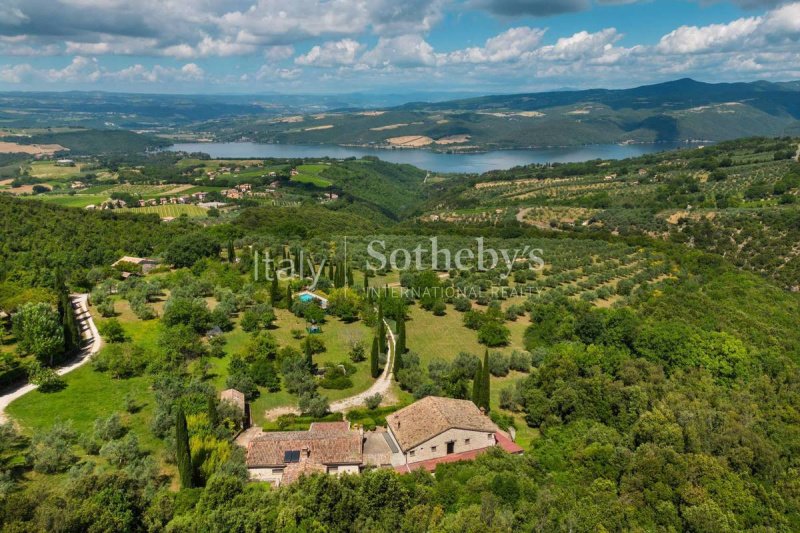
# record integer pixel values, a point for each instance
(305, 453)
(483, 411)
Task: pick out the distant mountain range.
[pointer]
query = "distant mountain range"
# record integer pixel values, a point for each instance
(680, 110)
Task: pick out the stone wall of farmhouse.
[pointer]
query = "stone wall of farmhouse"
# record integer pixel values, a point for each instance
(269, 475)
(463, 440)
(344, 469)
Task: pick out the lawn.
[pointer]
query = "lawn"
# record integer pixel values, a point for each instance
(170, 210)
(89, 395)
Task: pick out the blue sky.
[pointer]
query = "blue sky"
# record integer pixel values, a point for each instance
(339, 46)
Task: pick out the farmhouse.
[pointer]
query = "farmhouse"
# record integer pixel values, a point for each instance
(435, 430)
(422, 435)
(65, 163)
(282, 457)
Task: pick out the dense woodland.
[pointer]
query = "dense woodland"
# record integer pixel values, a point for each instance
(658, 375)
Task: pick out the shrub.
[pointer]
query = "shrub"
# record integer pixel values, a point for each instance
(358, 352)
(121, 360)
(374, 401)
(498, 364)
(51, 451)
(112, 331)
(520, 361)
(107, 309)
(106, 429)
(439, 308)
(462, 304)
(314, 405)
(493, 334)
(337, 376)
(44, 377)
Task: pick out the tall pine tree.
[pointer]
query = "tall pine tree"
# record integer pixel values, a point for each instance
(182, 452)
(374, 364)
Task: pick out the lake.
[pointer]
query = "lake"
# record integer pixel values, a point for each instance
(436, 162)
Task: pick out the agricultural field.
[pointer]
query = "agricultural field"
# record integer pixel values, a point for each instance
(71, 200)
(170, 210)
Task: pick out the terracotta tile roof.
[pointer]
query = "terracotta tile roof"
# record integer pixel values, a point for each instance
(507, 444)
(334, 445)
(344, 425)
(423, 420)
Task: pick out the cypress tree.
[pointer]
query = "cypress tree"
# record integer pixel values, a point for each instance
(477, 384)
(309, 356)
(213, 414)
(381, 328)
(485, 386)
(373, 359)
(401, 334)
(72, 334)
(288, 296)
(366, 281)
(274, 297)
(182, 452)
(231, 252)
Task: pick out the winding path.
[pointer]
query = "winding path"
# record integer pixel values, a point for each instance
(92, 344)
(381, 385)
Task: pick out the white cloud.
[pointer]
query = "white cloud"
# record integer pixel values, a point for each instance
(693, 39)
(402, 51)
(330, 54)
(510, 45)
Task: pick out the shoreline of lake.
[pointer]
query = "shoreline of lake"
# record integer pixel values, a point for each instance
(468, 162)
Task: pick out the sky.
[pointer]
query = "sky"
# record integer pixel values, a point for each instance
(390, 46)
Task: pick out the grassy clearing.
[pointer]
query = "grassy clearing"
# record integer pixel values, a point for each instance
(89, 395)
(311, 174)
(48, 170)
(444, 337)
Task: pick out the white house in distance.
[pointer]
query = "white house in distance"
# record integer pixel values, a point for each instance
(145, 263)
(436, 430)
